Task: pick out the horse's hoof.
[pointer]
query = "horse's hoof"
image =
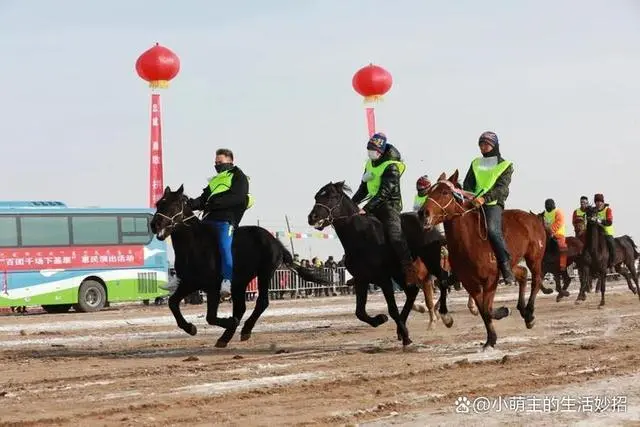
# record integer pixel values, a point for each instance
(530, 324)
(501, 313)
(244, 337)
(447, 319)
(565, 293)
(191, 329)
(407, 343)
(559, 298)
(487, 347)
(601, 304)
(381, 318)
(547, 291)
(221, 344)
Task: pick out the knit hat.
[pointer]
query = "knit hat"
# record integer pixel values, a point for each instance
(489, 137)
(598, 198)
(377, 142)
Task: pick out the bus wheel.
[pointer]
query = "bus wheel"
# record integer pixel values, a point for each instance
(91, 297)
(56, 308)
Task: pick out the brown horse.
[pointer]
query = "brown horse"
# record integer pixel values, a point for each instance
(471, 255)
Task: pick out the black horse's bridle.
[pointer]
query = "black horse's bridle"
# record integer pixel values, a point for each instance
(330, 219)
(173, 223)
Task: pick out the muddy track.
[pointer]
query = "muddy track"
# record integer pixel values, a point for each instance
(312, 362)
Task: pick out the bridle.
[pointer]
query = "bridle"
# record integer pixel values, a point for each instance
(330, 219)
(444, 215)
(173, 223)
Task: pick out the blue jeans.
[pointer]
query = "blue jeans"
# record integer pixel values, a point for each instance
(495, 235)
(224, 231)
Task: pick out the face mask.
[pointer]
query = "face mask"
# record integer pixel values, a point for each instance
(373, 154)
(223, 167)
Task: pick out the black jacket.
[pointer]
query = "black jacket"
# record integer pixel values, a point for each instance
(389, 193)
(499, 191)
(229, 205)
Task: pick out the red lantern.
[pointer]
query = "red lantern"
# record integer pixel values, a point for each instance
(372, 82)
(158, 66)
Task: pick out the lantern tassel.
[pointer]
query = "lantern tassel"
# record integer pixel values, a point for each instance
(159, 84)
(373, 99)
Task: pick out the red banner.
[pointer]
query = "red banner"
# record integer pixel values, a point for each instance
(156, 186)
(71, 257)
(371, 121)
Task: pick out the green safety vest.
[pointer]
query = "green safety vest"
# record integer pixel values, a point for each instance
(486, 177)
(608, 229)
(222, 182)
(550, 217)
(374, 175)
(419, 201)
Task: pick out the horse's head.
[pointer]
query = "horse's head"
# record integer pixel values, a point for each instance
(445, 200)
(591, 215)
(172, 211)
(329, 205)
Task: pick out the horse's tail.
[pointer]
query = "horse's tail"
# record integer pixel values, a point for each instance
(628, 238)
(305, 273)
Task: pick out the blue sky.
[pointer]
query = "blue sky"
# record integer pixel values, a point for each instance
(558, 81)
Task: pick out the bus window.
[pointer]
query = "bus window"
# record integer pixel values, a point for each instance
(8, 231)
(44, 230)
(94, 230)
(135, 229)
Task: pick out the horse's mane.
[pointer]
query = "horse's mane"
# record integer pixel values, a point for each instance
(346, 189)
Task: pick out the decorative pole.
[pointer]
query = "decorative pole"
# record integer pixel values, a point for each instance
(372, 82)
(158, 66)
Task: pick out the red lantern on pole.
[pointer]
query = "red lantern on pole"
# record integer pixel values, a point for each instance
(158, 66)
(372, 82)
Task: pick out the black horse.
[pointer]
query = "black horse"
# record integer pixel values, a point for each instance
(256, 252)
(595, 255)
(369, 259)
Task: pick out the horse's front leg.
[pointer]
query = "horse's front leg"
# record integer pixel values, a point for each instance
(584, 274)
(174, 305)
(362, 291)
(387, 290)
(443, 286)
(603, 284)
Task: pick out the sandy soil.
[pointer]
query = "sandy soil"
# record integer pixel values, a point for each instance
(311, 362)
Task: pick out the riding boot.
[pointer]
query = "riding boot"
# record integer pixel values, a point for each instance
(507, 274)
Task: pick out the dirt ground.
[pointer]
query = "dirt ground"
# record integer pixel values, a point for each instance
(311, 362)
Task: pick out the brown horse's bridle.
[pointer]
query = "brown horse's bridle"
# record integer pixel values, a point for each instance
(444, 215)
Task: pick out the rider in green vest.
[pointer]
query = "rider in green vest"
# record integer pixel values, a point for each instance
(224, 201)
(381, 187)
(605, 219)
(488, 178)
(422, 187)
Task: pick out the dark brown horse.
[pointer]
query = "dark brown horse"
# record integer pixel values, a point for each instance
(595, 255)
(551, 262)
(471, 255)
